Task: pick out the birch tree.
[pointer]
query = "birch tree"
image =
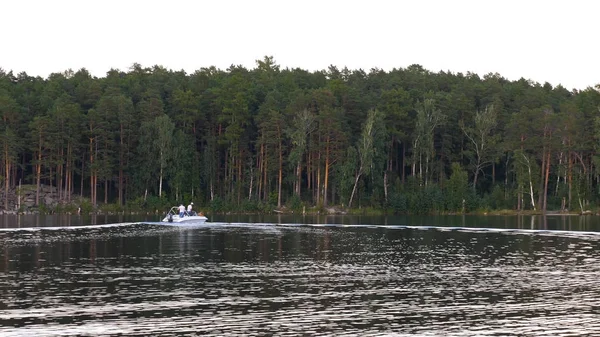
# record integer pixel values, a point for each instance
(372, 130)
(429, 117)
(164, 145)
(482, 140)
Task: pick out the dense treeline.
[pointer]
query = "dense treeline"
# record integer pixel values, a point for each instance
(407, 140)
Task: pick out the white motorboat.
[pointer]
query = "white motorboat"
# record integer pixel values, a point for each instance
(191, 218)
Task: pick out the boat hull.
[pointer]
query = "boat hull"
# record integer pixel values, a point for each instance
(193, 220)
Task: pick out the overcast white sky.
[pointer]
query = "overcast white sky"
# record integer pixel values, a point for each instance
(545, 41)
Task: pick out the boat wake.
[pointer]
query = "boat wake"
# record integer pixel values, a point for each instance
(35, 235)
(55, 228)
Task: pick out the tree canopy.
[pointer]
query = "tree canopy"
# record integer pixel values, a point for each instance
(408, 140)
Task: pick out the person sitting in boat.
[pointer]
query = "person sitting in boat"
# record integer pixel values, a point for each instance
(181, 210)
(189, 209)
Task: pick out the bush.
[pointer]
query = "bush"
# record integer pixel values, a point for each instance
(86, 206)
(66, 208)
(495, 200)
(251, 206)
(398, 202)
(155, 203)
(135, 205)
(218, 205)
(472, 202)
(457, 191)
(295, 203)
(273, 199)
(111, 208)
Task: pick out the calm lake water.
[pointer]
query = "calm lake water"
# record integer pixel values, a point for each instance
(290, 276)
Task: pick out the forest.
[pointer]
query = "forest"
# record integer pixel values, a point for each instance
(404, 141)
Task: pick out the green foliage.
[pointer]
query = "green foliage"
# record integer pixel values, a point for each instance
(295, 203)
(426, 201)
(272, 201)
(345, 173)
(44, 209)
(66, 208)
(157, 204)
(218, 205)
(225, 135)
(398, 203)
(135, 205)
(481, 139)
(370, 147)
(111, 208)
(457, 189)
(253, 206)
(496, 199)
(86, 206)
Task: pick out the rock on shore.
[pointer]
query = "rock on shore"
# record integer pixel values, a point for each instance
(25, 197)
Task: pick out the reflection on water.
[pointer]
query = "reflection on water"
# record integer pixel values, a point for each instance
(258, 279)
(68, 220)
(564, 222)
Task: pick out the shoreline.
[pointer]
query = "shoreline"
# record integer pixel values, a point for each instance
(334, 211)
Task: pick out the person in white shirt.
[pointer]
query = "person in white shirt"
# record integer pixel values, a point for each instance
(189, 209)
(181, 210)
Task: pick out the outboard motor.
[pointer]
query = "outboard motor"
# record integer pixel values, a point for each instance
(170, 217)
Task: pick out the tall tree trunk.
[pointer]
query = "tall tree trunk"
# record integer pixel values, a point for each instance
(308, 170)
(265, 177)
(260, 163)
(160, 181)
(546, 181)
(318, 176)
(298, 178)
(530, 181)
(403, 162)
(570, 179)
(239, 174)
(6, 176)
(68, 173)
(354, 188)
(475, 177)
(82, 170)
(326, 178)
(91, 171)
(51, 174)
(251, 182)
(542, 174)
(121, 163)
(388, 169)
(280, 177)
(506, 178)
(560, 165)
(60, 169)
(38, 174)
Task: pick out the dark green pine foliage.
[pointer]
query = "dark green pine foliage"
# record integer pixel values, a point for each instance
(407, 140)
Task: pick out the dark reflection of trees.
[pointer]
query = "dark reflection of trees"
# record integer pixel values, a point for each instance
(277, 244)
(93, 251)
(5, 260)
(36, 256)
(279, 247)
(544, 222)
(323, 246)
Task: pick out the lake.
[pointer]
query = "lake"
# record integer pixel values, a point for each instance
(295, 275)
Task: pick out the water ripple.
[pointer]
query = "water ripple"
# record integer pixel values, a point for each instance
(262, 280)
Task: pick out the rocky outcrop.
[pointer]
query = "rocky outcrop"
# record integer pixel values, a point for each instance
(24, 197)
